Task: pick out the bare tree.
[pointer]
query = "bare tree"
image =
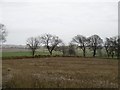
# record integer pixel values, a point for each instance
(50, 41)
(81, 42)
(71, 49)
(112, 46)
(3, 33)
(62, 48)
(33, 44)
(115, 46)
(107, 45)
(95, 42)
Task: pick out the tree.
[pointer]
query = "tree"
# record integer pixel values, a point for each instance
(3, 33)
(81, 42)
(62, 48)
(112, 46)
(50, 41)
(33, 44)
(71, 49)
(94, 42)
(107, 46)
(115, 45)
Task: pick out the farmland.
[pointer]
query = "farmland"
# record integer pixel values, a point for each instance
(6, 53)
(57, 72)
(16, 52)
(59, 44)
(60, 72)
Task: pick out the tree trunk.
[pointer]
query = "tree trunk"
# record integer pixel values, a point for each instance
(107, 52)
(33, 53)
(112, 54)
(63, 52)
(49, 50)
(51, 53)
(94, 53)
(84, 52)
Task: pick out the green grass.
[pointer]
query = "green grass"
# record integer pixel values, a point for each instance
(23, 53)
(13, 54)
(101, 54)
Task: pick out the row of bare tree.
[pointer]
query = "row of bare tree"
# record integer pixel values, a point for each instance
(52, 42)
(48, 40)
(94, 42)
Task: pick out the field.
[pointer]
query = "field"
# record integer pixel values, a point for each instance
(16, 52)
(25, 52)
(60, 72)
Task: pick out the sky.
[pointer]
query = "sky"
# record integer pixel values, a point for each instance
(64, 18)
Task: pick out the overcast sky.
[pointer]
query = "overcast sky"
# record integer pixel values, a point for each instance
(64, 18)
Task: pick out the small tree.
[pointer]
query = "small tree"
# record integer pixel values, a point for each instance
(3, 33)
(94, 43)
(50, 41)
(71, 49)
(62, 48)
(115, 45)
(81, 42)
(33, 43)
(107, 45)
(112, 46)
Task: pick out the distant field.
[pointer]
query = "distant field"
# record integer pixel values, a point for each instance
(16, 52)
(60, 72)
(27, 53)
(13, 52)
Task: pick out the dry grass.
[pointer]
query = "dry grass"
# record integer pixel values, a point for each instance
(58, 72)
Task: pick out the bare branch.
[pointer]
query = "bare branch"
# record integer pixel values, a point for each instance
(50, 41)
(33, 43)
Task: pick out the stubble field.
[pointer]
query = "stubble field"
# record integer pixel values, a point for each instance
(60, 72)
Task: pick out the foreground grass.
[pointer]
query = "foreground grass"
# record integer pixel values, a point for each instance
(59, 72)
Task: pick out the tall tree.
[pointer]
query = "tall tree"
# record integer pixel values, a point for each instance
(81, 42)
(50, 41)
(107, 45)
(95, 42)
(3, 33)
(33, 44)
(115, 45)
(112, 46)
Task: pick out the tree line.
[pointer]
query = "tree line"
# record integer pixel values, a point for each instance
(53, 42)
(93, 43)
